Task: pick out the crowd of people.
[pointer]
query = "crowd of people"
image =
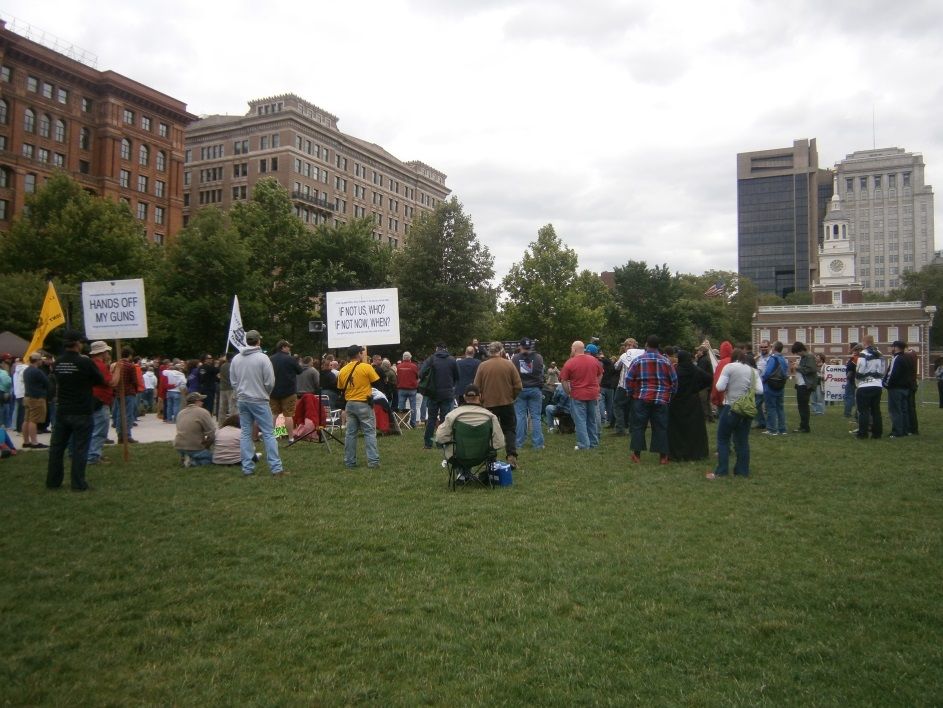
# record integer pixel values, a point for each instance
(662, 398)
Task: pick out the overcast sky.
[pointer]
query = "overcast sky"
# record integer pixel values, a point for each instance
(616, 121)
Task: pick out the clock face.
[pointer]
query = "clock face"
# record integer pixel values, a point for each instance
(836, 266)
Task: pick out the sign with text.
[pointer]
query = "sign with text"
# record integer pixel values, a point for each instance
(114, 309)
(834, 378)
(366, 317)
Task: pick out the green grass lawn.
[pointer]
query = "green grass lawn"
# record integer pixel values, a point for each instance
(819, 581)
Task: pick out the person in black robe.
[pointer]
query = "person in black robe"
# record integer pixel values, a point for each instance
(687, 431)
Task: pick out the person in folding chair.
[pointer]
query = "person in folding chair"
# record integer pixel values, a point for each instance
(466, 441)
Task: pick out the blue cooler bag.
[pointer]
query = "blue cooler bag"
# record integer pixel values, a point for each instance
(500, 474)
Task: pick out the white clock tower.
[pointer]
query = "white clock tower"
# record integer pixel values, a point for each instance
(836, 256)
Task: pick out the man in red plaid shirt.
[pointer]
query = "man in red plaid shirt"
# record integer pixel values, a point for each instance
(651, 381)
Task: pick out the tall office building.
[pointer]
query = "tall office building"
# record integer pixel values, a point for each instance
(116, 137)
(890, 213)
(781, 200)
(332, 177)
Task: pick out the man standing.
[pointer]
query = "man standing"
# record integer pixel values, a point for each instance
(898, 381)
(580, 377)
(467, 366)
(253, 379)
(227, 402)
(309, 380)
(35, 388)
(652, 382)
(76, 375)
(759, 422)
(444, 378)
(499, 384)
(850, 366)
(622, 401)
(127, 387)
(774, 378)
(407, 381)
(355, 381)
(869, 373)
(208, 377)
(104, 395)
(284, 398)
(530, 367)
(607, 389)
(912, 428)
(196, 431)
(807, 378)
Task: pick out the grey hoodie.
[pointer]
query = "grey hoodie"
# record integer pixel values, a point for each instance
(252, 375)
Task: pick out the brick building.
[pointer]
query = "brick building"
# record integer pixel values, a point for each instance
(332, 177)
(115, 136)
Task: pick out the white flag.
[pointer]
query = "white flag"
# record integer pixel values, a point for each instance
(237, 335)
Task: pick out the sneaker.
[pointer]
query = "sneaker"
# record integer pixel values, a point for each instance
(186, 461)
(853, 432)
(769, 432)
(37, 446)
(256, 457)
(373, 465)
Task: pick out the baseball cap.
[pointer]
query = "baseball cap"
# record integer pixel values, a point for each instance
(254, 335)
(73, 335)
(194, 397)
(592, 349)
(526, 343)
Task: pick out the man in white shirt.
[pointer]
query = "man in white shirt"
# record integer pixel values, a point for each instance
(623, 401)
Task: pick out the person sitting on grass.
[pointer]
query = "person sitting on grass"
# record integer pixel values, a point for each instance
(471, 412)
(196, 430)
(226, 449)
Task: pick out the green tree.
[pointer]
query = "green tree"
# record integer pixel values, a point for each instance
(204, 267)
(444, 275)
(547, 299)
(926, 286)
(21, 299)
(648, 301)
(73, 236)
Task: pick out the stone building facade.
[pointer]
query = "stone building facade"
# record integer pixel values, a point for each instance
(332, 177)
(115, 136)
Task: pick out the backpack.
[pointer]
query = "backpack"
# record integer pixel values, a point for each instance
(426, 386)
(776, 380)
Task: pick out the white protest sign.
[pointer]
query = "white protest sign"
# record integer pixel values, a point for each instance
(114, 309)
(834, 379)
(366, 317)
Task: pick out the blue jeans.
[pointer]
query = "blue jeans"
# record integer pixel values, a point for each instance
(70, 427)
(899, 409)
(818, 401)
(759, 421)
(6, 412)
(99, 434)
(171, 405)
(730, 425)
(643, 414)
(607, 399)
(257, 412)
(586, 422)
(360, 417)
(775, 410)
(849, 398)
(198, 458)
(130, 413)
(437, 410)
(527, 405)
(408, 394)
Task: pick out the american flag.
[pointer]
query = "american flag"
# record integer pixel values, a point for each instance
(715, 290)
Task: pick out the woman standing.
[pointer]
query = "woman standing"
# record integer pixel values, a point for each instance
(687, 431)
(735, 381)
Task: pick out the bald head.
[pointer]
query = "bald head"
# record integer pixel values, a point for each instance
(577, 348)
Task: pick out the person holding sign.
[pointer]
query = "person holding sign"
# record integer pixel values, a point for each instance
(355, 381)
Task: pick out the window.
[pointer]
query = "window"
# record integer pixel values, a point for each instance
(85, 166)
(877, 181)
(276, 140)
(144, 155)
(4, 206)
(819, 335)
(161, 161)
(5, 74)
(849, 184)
(159, 239)
(62, 96)
(58, 159)
(60, 131)
(142, 183)
(159, 188)
(158, 215)
(240, 146)
(128, 117)
(29, 183)
(263, 142)
(186, 199)
(28, 150)
(913, 335)
(86, 105)
(863, 183)
(163, 130)
(29, 121)
(146, 123)
(142, 211)
(45, 125)
(274, 164)
(124, 178)
(85, 139)
(892, 181)
(32, 84)
(240, 169)
(3, 112)
(186, 178)
(5, 178)
(125, 149)
(906, 178)
(43, 155)
(187, 155)
(47, 90)
(263, 166)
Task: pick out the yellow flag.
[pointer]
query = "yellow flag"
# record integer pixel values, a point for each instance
(49, 318)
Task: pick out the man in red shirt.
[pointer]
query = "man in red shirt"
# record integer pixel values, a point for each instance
(100, 354)
(580, 377)
(407, 381)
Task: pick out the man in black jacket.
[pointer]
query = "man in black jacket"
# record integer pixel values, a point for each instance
(445, 376)
(283, 397)
(898, 381)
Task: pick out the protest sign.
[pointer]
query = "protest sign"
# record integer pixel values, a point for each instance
(834, 377)
(114, 309)
(365, 317)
